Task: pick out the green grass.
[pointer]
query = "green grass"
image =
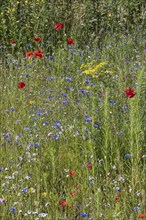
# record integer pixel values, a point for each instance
(69, 118)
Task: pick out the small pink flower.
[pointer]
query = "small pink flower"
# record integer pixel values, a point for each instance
(2, 200)
(144, 48)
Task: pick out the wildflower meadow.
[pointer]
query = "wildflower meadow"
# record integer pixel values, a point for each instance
(73, 110)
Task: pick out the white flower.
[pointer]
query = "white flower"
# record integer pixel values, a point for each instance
(42, 215)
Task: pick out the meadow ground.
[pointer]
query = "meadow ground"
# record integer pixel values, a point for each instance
(73, 128)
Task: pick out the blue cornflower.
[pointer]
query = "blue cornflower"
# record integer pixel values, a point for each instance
(68, 79)
(26, 129)
(39, 112)
(64, 94)
(127, 155)
(87, 130)
(46, 123)
(49, 97)
(88, 119)
(28, 45)
(84, 91)
(13, 210)
(57, 124)
(24, 190)
(83, 214)
(118, 189)
(12, 109)
(96, 126)
(51, 90)
(87, 82)
(57, 136)
(6, 135)
(91, 183)
(36, 144)
(34, 119)
(65, 102)
(27, 75)
(112, 102)
(136, 208)
(20, 135)
(49, 79)
(8, 141)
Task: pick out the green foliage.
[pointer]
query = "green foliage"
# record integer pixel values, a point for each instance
(72, 128)
(88, 21)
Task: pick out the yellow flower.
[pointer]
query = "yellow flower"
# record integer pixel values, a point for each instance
(95, 68)
(32, 190)
(31, 102)
(44, 194)
(87, 87)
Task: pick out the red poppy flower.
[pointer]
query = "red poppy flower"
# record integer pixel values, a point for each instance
(70, 41)
(29, 54)
(130, 93)
(141, 216)
(72, 193)
(12, 41)
(89, 165)
(21, 85)
(72, 172)
(63, 203)
(37, 39)
(38, 53)
(58, 26)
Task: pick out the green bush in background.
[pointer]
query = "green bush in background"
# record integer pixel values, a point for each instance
(88, 21)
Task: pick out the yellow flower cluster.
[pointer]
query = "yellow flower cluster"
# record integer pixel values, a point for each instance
(93, 69)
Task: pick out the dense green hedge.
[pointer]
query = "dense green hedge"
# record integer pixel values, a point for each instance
(85, 20)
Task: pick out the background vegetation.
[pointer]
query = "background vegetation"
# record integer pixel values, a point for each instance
(73, 142)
